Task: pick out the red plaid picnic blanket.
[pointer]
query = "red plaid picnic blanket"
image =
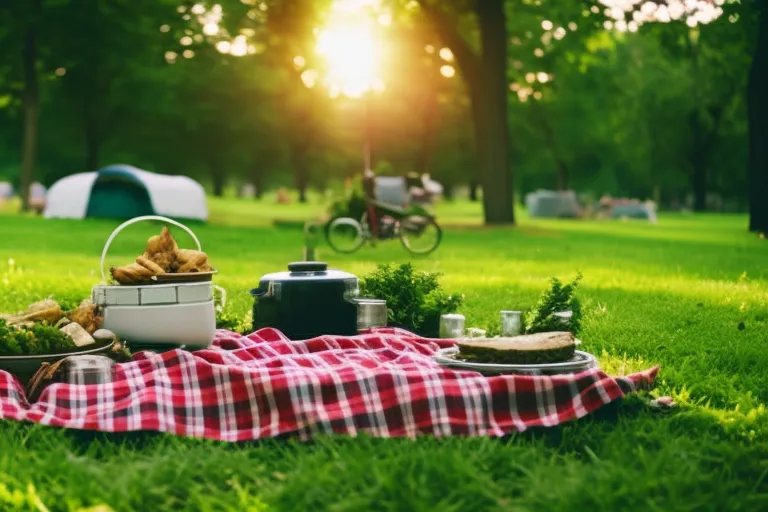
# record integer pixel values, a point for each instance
(384, 383)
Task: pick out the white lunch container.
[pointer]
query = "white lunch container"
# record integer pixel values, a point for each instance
(173, 313)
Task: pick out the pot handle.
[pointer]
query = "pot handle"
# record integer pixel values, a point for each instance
(222, 297)
(134, 220)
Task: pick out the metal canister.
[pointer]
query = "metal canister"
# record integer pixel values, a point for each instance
(511, 323)
(452, 325)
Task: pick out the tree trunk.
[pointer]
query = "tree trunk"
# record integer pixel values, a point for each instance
(428, 131)
(31, 106)
(219, 181)
(473, 186)
(218, 176)
(699, 159)
(92, 146)
(496, 179)
(699, 185)
(757, 108)
(257, 179)
(300, 169)
(486, 80)
(562, 175)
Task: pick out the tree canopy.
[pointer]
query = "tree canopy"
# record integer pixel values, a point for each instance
(638, 98)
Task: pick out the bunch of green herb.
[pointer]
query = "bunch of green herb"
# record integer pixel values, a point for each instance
(37, 339)
(415, 300)
(227, 319)
(558, 298)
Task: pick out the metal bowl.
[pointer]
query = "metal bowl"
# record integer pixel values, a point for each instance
(24, 367)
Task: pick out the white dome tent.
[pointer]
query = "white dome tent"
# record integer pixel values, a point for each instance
(123, 191)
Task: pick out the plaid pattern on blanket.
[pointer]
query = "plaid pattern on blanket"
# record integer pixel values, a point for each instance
(384, 383)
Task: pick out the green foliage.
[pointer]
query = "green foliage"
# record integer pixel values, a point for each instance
(39, 339)
(349, 203)
(558, 298)
(415, 300)
(229, 319)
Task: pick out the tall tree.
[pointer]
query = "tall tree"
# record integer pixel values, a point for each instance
(25, 21)
(757, 100)
(485, 74)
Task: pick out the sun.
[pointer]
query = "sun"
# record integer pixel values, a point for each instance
(351, 47)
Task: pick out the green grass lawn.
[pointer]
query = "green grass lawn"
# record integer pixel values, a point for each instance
(689, 294)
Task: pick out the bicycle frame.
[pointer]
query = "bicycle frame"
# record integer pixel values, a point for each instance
(374, 207)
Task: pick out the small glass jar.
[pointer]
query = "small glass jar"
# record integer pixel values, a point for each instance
(565, 319)
(511, 323)
(88, 369)
(452, 326)
(371, 313)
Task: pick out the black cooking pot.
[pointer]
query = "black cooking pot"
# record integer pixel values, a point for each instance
(307, 301)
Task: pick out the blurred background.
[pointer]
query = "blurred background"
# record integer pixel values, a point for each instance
(644, 100)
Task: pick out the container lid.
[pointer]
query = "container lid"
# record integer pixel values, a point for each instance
(317, 271)
(89, 363)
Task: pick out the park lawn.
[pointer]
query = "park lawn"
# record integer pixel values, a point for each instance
(689, 294)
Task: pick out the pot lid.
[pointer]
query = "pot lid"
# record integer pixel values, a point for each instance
(317, 271)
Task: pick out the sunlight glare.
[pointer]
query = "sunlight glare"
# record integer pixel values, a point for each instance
(447, 71)
(239, 46)
(210, 29)
(446, 54)
(350, 48)
(309, 77)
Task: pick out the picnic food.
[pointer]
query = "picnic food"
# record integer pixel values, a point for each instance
(545, 347)
(38, 338)
(161, 256)
(45, 328)
(87, 314)
(45, 310)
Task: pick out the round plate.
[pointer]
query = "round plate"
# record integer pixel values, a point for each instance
(186, 277)
(580, 361)
(28, 365)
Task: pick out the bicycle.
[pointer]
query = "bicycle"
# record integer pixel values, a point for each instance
(412, 226)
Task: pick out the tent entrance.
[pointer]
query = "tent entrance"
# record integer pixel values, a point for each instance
(116, 197)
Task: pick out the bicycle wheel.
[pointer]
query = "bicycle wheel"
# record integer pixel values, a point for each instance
(344, 234)
(420, 234)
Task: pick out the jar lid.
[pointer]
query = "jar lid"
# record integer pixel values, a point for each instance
(309, 271)
(89, 363)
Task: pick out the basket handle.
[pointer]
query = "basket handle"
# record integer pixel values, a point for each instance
(134, 220)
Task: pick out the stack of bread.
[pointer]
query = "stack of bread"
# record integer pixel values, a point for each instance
(161, 256)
